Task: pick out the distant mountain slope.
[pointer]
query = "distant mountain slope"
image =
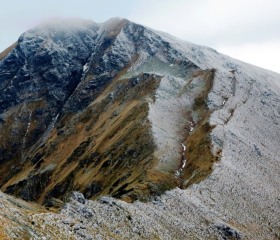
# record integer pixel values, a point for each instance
(122, 110)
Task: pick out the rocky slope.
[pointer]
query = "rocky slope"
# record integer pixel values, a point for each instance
(122, 110)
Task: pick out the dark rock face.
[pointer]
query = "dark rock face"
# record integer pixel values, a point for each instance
(38, 76)
(228, 233)
(78, 197)
(31, 188)
(45, 63)
(44, 69)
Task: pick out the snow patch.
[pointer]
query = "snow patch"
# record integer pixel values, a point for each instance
(165, 115)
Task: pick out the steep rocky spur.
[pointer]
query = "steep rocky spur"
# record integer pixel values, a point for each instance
(79, 105)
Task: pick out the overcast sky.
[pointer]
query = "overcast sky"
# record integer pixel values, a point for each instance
(248, 30)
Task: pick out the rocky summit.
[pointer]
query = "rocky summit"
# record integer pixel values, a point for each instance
(116, 131)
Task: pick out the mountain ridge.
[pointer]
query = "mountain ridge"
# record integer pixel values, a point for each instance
(121, 110)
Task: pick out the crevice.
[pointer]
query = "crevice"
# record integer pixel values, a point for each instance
(234, 82)
(198, 155)
(25, 136)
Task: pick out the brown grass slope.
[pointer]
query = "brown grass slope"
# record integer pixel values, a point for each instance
(105, 150)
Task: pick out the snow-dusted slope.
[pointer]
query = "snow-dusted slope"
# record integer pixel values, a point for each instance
(153, 106)
(243, 190)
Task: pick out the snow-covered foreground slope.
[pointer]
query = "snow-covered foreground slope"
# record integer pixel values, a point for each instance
(148, 103)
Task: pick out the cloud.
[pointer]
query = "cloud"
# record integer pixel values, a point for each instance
(265, 55)
(212, 22)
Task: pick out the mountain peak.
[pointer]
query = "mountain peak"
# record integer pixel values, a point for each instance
(122, 110)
